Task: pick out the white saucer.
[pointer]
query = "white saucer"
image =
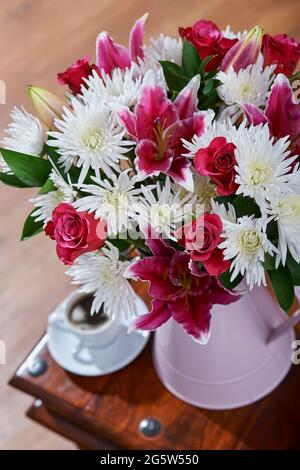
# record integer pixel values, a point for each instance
(97, 361)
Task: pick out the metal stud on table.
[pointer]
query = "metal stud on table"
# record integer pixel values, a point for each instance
(150, 427)
(37, 367)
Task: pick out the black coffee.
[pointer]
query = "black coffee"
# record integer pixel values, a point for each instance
(80, 315)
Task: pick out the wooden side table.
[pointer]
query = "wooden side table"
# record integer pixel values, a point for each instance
(106, 412)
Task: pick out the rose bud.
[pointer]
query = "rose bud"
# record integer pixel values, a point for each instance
(74, 75)
(47, 105)
(245, 52)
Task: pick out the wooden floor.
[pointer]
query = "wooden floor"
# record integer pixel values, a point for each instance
(38, 38)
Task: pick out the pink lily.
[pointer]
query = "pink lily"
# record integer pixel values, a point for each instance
(158, 126)
(110, 54)
(177, 292)
(245, 52)
(282, 112)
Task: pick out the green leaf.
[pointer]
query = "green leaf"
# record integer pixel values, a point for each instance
(121, 244)
(227, 283)
(272, 231)
(47, 187)
(245, 205)
(283, 286)
(174, 76)
(210, 75)
(31, 227)
(204, 64)
(294, 268)
(12, 180)
(208, 87)
(175, 93)
(209, 101)
(32, 171)
(224, 200)
(269, 262)
(52, 152)
(190, 60)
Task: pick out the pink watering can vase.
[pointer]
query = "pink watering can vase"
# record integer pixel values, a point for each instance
(249, 353)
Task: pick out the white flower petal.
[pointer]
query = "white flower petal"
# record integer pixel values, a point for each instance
(103, 275)
(90, 137)
(114, 201)
(245, 244)
(24, 134)
(249, 85)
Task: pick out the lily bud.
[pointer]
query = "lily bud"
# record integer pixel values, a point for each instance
(47, 105)
(245, 52)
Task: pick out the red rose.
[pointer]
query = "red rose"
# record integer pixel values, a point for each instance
(202, 238)
(74, 75)
(207, 38)
(281, 50)
(217, 161)
(75, 232)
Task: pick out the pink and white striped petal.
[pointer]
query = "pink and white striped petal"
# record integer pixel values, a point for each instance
(158, 315)
(136, 39)
(110, 54)
(187, 100)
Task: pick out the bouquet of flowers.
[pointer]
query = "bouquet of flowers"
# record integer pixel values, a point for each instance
(174, 162)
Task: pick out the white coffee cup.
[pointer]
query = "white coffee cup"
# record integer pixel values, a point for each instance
(97, 336)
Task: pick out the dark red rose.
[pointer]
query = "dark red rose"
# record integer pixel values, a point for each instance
(74, 75)
(202, 238)
(217, 161)
(281, 50)
(75, 232)
(208, 39)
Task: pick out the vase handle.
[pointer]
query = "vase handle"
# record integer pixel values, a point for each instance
(285, 325)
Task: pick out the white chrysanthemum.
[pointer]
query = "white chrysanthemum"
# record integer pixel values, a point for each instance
(114, 201)
(245, 246)
(24, 134)
(102, 274)
(227, 214)
(249, 85)
(165, 210)
(164, 48)
(161, 48)
(46, 203)
(263, 165)
(286, 212)
(229, 34)
(122, 87)
(90, 137)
